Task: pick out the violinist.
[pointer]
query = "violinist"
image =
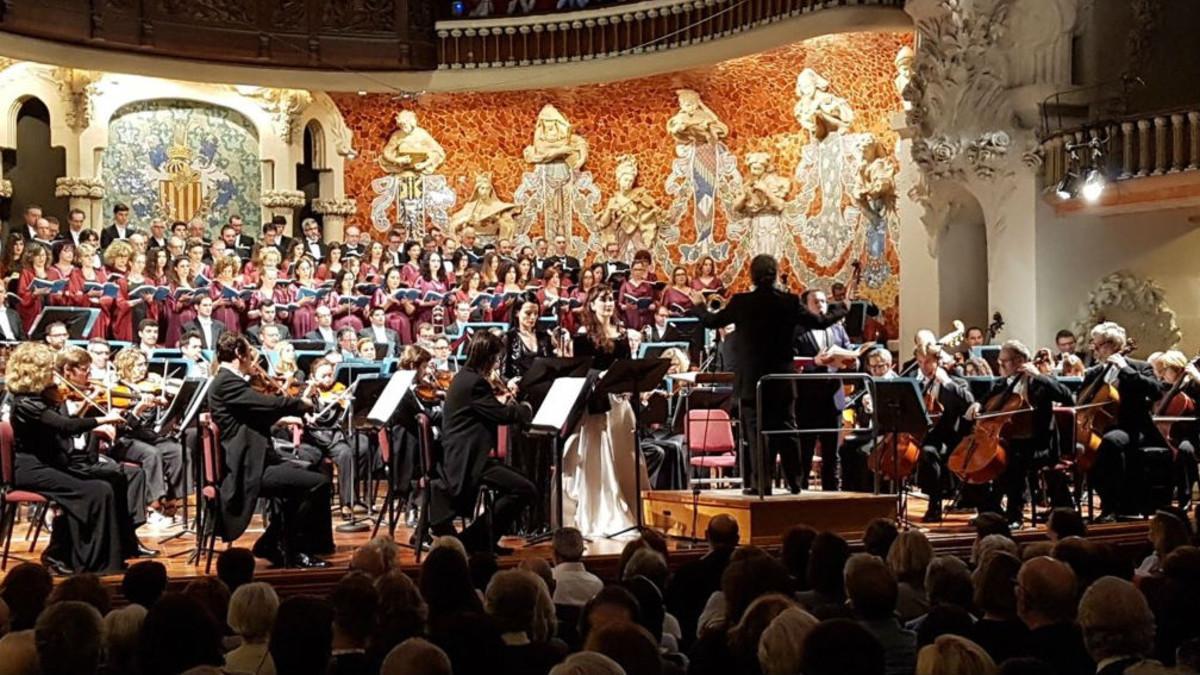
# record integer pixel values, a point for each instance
(950, 397)
(325, 435)
(425, 396)
(1182, 380)
(1118, 458)
(93, 531)
(1030, 442)
(159, 456)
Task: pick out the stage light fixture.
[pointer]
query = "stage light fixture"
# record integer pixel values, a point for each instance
(1093, 185)
(458, 8)
(1066, 187)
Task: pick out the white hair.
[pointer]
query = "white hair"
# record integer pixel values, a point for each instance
(588, 663)
(781, 647)
(1109, 332)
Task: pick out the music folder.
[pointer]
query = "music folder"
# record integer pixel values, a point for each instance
(628, 376)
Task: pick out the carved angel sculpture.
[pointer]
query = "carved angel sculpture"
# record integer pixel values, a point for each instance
(553, 141)
(411, 149)
(904, 73)
(631, 216)
(765, 191)
(695, 123)
(818, 111)
(488, 214)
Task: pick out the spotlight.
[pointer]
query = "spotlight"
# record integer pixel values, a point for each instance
(458, 8)
(1066, 187)
(1093, 185)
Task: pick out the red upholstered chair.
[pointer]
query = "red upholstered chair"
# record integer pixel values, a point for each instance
(711, 441)
(12, 497)
(212, 466)
(389, 500)
(425, 442)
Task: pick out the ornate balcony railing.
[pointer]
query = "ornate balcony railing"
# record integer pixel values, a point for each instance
(651, 26)
(1146, 144)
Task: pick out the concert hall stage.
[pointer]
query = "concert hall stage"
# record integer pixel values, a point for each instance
(762, 520)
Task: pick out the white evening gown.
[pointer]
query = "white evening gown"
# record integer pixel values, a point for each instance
(599, 484)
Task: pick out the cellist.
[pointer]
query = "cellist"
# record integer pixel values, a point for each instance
(1116, 468)
(1029, 442)
(952, 395)
(1182, 380)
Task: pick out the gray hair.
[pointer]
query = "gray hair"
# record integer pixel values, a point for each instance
(1109, 332)
(520, 602)
(588, 663)
(452, 543)
(781, 647)
(122, 627)
(648, 563)
(252, 609)
(910, 556)
(1017, 347)
(1116, 620)
(416, 656)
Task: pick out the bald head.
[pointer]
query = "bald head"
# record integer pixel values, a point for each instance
(1045, 592)
(722, 531)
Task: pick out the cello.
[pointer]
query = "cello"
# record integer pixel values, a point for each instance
(896, 456)
(1095, 410)
(1174, 405)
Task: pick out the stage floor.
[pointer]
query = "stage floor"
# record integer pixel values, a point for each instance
(954, 535)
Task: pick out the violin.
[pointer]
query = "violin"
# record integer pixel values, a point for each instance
(1096, 409)
(431, 389)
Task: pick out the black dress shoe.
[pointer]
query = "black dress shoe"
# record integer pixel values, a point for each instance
(57, 566)
(143, 552)
(305, 561)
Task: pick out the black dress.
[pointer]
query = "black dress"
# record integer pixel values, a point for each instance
(94, 532)
(532, 456)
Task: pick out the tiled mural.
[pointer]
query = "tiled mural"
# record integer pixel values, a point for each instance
(821, 224)
(179, 159)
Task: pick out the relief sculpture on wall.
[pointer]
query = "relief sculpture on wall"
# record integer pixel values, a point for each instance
(704, 174)
(410, 190)
(557, 189)
(490, 216)
(874, 194)
(631, 217)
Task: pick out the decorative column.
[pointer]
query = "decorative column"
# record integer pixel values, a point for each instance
(1176, 143)
(1127, 166)
(335, 212)
(281, 203)
(85, 194)
(1194, 135)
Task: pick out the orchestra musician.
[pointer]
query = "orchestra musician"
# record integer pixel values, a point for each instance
(1031, 439)
(951, 397)
(472, 415)
(766, 321)
(817, 408)
(523, 343)
(324, 436)
(1118, 458)
(856, 447)
(1181, 380)
(425, 396)
(94, 531)
(299, 525)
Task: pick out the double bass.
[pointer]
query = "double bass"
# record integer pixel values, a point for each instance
(1096, 408)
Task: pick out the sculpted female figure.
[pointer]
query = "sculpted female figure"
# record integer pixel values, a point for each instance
(631, 216)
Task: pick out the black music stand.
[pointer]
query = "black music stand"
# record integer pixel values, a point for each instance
(634, 376)
(900, 409)
(534, 387)
(367, 391)
(183, 415)
(78, 320)
(381, 415)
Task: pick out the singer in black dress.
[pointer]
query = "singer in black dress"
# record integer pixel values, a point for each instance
(532, 456)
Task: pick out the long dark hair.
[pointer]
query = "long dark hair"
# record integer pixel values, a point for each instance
(441, 270)
(483, 352)
(591, 323)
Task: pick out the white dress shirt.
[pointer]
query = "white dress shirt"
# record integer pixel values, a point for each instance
(574, 585)
(206, 329)
(9, 332)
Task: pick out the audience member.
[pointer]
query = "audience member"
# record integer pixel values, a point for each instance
(252, 611)
(826, 563)
(402, 614)
(24, 590)
(446, 585)
(574, 585)
(471, 640)
(70, 638)
(629, 645)
(588, 663)
(178, 634)
(954, 655)
(5, 618)
(908, 559)
(355, 606)
(947, 582)
(840, 646)
(235, 566)
(367, 560)
(879, 535)
(781, 647)
(1046, 604)
(302, 638)
(999, 630)
(871, 591)
(416, 656)
(794, 550)
(736, 650)
(1174, 596)
(85, 587)
(520, 604)
(18, 654)
(213, 594)
(1065, 522)
(695, 581)
(985, 524)
(144, 582)
(613, 604)
(122, 633)
(942, 620)
(1167, 533)
(993, 543)
(1117, 624)
(543, 570)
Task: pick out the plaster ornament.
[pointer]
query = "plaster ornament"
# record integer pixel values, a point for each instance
(410, 150)
(284, 105)
(695, 122)
(554, 141)
(631, 217)
(904, 71)
(5, 188)
(817, 110)
(283, 199)
(79, 187)
(765, 191)
(77, 87)
(1138, 304)
(488, 214)
(335, 207)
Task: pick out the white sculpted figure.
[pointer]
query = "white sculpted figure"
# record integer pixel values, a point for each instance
(487, 213)
(411, 149)
(631, 217)
(875, 183)
(904, 73)
(818, 111)
(695, 123)
(553, 141)
(765, 191)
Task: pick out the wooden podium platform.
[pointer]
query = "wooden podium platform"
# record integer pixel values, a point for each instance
(761, 521)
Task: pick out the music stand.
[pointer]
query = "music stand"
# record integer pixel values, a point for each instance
(182, 413)
(634, 376)
(310, 345)
(304, 360)
(367, 390)
(856, 319)
(381, 413)
(900, 409)
(78, 320)
(347, 372)
(989, 353)
(655, 350)
(169, 368)
(686, 329)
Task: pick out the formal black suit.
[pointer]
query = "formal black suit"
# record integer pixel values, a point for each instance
(218, 329)
(471, 418)
(300, 523)
(767, 320)
(816, 407)
(322, 250)
(15, 326)
(690, 587)
(569, 265)
(315, 334)
(391, 339)
(1117, 473)
(110, 234)
(1031, 439)
(954, 397)
(66, 234)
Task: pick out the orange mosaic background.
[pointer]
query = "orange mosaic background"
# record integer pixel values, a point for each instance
(754, 96)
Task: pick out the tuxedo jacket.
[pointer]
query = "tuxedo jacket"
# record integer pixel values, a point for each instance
(243, 246)
(471, 418)
(14, 322)
(1139, 389)
(321, 246)
(816, 403)
(393, 338)
(315, 334)
(254, 332)
(110, 234)
(954, 398)
(218, 329)
(1042, 392)
(767, 320)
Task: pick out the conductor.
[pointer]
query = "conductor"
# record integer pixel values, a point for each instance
(767, 320)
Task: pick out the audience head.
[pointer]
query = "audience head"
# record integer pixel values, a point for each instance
(954, 655)
(909, 557)
(1065, 522)
(993, 543)
(948, 582)
(520, 603)
(870, 586)
(568, 545)
(416, 656)
(367, 560)
(235, 566)
(747, 578)
(70, 638)
(996, 585)
(613, 604)
(252, 610)
(879, 535)
(178, 634)
(1045, 592)
(796, 544)
(402, 611)
(25, 590)
(826, 562)
(781, 647)
(944, 620)
(542, 569)
(1116, 620)
(651, 608)
(85, 587)
(587, 663)
(745, 635)
(302, 639)
(122, 634)
(1167, 533)
(839, 646)
(213, 594)
(446, 583)
(144, 582)
(648, 563)
(355, 605)
(630, 645)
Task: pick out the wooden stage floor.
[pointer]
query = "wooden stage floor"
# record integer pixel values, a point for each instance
(821, 510)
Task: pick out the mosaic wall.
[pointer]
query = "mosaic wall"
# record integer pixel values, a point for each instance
(818, 234)
(179, 159)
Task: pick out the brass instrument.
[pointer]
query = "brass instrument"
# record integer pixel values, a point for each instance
(716, 302)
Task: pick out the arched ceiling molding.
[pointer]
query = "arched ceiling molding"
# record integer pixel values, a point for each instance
(22, 81)
(825, 22)
(336, 137)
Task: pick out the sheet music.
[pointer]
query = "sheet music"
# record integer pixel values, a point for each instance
(556, 408)
(386, 404)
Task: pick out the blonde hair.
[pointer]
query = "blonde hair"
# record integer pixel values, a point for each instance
(909, 556)
(519, 601)
(1172, 358)
(954, 655)
(118, 249)
(781, 647)
(125, 360)
(252, 610)
(30, 368)
(1072, 366)
(220, 264)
